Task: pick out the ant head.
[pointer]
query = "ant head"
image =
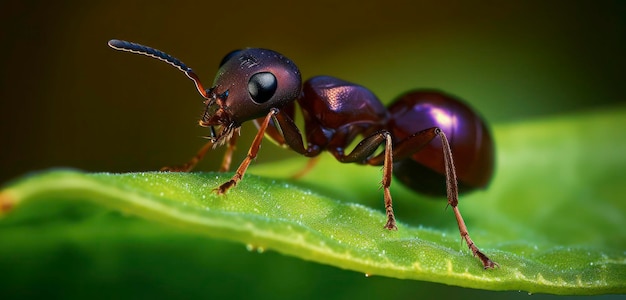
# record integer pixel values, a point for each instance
(248, 84)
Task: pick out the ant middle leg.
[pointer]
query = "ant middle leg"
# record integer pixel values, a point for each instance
(362, 153)
(309, 166)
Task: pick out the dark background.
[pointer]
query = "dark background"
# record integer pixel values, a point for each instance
(67, 100)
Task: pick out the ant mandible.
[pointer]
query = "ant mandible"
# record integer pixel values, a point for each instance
(263, 86)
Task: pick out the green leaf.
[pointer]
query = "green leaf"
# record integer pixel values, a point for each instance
(553, 218)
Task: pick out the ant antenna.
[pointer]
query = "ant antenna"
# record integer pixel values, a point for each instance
(158, 54)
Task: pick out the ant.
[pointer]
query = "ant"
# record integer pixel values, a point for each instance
(263, 86)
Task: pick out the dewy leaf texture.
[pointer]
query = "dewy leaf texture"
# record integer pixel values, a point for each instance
(553, 217)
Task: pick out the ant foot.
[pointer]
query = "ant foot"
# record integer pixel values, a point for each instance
(391, 225)
(222, 189)
(487, 263)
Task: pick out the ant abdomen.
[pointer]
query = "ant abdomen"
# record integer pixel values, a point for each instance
(470, 141)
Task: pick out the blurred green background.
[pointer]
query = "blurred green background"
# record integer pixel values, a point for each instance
(68, 100)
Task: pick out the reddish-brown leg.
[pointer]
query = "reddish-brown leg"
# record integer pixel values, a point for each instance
(453, 194)
(228, 155)
(386, 182)
(414, 144)
(191, 163)
(202, 152)
(362, 153)
(252, 152)
(309, 166)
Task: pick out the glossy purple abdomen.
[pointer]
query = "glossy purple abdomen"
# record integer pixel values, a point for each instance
(470, 141)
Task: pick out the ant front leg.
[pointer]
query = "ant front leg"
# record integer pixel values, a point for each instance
(228, 155)
(252, 152)
(225, 166)
(414, 144)
(187, 167)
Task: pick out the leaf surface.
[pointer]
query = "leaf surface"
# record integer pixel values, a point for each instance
(553, 217)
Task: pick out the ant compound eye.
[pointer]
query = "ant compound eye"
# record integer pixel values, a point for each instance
(262, 86)
(228, 56)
